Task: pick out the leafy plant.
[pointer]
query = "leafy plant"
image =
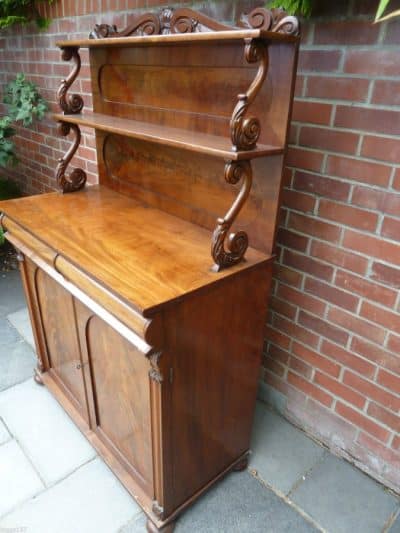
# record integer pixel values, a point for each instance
(294, 7)
(7, 147)
(21, 12)
(381, 9)
(24, 100)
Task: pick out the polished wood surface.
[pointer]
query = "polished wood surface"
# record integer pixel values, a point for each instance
(168, 136)
(147, 293)
(147, 257)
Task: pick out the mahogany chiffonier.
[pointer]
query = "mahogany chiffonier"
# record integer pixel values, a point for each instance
(151, 343)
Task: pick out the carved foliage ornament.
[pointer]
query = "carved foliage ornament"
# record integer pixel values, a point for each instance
(245, 131)
(154, 371)
(185, 20)
(237, 242)
(73, 103)
(77, 178)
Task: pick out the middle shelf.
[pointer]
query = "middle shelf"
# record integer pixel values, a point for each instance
(180, 138)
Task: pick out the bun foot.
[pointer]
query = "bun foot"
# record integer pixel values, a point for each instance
(37, 376)
(152, 528)
(241, 465)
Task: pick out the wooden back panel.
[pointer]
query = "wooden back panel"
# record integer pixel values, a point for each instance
(192, 86)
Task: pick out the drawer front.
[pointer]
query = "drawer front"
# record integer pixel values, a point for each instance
(118, 375)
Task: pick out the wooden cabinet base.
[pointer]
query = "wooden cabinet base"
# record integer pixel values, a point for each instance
(152, 528)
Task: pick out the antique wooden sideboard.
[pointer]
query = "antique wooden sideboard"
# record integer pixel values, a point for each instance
(152, 344)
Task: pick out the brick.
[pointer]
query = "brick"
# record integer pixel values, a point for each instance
(385, 318)
(321, 185)
(348, 215)
(383, 148)
(287, 275)
(376, 354)
(283, 308)
(371, 390)
(300, 367)
(367, 289)
(386, 92)
(323, 328)
(385, 202)
(298, 201)
(348, 359)
(339, 390)
(307, 159)
(277, 337)
(309, 389)
(296, 331)
(313, 112)
(378, 449)
(331, 294)
(339, 257)
(372, 246)
(319, 60)
(378, 62)
(348, 32)
(274, 366)
(368, 119)
(362, 422)
(389, 381)
(393, 32)
(384, 416)
(396, 180)
(282, 356)
(356, 324)
(275, 382)
(358, 170)
(308, 265)
(316, 360)
(299, 87)
(335, 88)
(293, 240)
(301, 299)
(391, 228)
(394, 344)
(328, 139)
(396, 443)
(315, 227)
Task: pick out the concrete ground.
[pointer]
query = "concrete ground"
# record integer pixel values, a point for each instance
(52, 481)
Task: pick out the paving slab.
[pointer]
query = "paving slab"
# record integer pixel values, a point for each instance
(4, 434)
(238, 504)
(342, 499)
(136, 525)
(282, 454)
(8, 334)
(46, 433)
(91, 500)
(396, 525)
(11, 292)
(21, 322)
(18, 479)
(17, 362)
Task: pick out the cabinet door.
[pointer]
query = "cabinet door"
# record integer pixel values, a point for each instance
(57, 320)
(119, 376)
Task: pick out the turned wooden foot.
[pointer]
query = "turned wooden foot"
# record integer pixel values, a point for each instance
(241, 465)
(37, 376)
(152, 528)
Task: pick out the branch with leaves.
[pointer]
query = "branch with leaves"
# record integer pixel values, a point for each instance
(21, 12)
(380, 17)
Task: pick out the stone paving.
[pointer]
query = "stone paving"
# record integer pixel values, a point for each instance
(52, 481)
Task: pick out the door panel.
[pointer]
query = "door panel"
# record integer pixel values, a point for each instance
(59, 327)
(121, 392)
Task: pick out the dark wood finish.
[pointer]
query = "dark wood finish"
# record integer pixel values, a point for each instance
(151, 348)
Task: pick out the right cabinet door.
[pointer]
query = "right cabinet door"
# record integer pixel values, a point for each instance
(119, 379)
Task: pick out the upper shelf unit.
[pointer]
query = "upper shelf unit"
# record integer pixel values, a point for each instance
(175, 137)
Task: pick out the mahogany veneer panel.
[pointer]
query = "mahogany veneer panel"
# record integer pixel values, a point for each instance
(142, 254)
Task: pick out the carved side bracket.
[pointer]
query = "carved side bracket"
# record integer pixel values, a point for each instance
(73, 103)
(245, 131)
(237, 242)
(276, 20)
(154, 371)
(77, 178)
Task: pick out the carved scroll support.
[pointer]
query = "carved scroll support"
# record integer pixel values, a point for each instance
(245, 131)
(70, 103)
(154, 372)
(237, 242)
(77, 178)
(276, 20)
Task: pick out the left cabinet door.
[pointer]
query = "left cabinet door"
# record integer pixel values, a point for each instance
(53, 311)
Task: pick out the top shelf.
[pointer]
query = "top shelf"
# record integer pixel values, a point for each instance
(176, 38)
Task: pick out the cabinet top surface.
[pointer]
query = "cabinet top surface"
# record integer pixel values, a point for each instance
(144, 255)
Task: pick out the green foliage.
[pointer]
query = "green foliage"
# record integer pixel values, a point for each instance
(21, 12)
(8, 189)
(24, 101)
(2, 238)
(294, 7)
(7, 147)
(381, 8)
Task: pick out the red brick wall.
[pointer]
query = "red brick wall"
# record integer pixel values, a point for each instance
(332, 352)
